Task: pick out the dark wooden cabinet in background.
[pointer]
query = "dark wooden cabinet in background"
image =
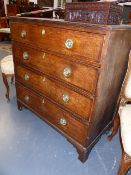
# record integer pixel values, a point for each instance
(45, 3)
(12, 9)
(70, 74)
(3, 24)
(22, 2)
(2, 8)
(3, 19)
(18, 6)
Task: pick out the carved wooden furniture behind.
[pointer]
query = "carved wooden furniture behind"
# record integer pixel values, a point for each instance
(70, 74)
(28, 8)
(123, 119)
(11, 9)
(3, 24)
(2, 8)
(45, 3)
(106, 12)
(3, 20)
(20, 6)
(44, 13)
(22, 2)
(59, 13)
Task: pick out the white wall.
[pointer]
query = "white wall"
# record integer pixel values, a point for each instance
(5, 2)
(35, 1)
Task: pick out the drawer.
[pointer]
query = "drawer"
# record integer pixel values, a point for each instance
(52, 113)
(83, 45)
(55, 91)
(57, 67)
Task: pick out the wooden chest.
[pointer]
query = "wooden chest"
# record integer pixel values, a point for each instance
(70, 74)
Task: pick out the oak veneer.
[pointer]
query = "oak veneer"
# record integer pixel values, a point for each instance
(87, 63)
(53, 39)
(54, 66)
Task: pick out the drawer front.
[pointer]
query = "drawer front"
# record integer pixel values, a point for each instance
(85, 46)
(53, 114)
(81, 105)
(57, 67)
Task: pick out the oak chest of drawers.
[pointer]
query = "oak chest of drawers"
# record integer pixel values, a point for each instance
(70, 74)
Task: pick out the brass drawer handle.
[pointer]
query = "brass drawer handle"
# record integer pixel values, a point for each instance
(27, 98)
(26, 77)
(69, 43)
(43, 32)
(23, 34)
(67, 72)
(63, 121)
(25, 55)
(65, 98)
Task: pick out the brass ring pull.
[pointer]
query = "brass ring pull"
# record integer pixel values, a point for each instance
(63, 121)
(26, 77)
(69, 43)
(23, 34)
(25, 55)
(27, 98)
(65, 98)
(67, 72)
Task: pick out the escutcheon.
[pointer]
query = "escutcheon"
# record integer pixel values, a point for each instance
(67, 72)
(26, 77)
(69, 43)
(23, 34)
(25, 55)
(63, 121)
